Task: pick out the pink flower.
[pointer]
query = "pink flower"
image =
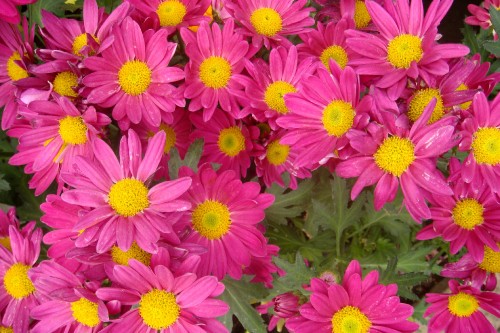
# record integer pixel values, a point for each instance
(223, 219)
(164, 302)
(133, 77)
(122, 207)
(263, 268)
(284, 306)
(215, 61)
(363, 303)
(9, 12)
(480, 15)
(459, 311)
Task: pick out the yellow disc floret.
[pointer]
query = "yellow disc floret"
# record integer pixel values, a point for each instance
(65, 84)
(403, 50)
(273, 96)
(17, 282)
(491, 260)
(231, 141)
(171, 13)
(462, 304)
(468, 213)
(350, 319)
(395, 155)
(128, 197)
(15, 71)
(73, 130)
(419, 101)
(336, 53)
(135, 252)
(215, 72)
(4, 329)
(159, 309)
(486, 145)
(211, 219)
(5, 242)
(79, 42)
(361, 15)
(277, 153)
(134, 77)
(171, 137)
(338, 117)
(266, 21)
(85, 312)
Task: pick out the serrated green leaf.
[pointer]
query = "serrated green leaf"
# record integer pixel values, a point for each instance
(493, 47)
(190, 160)
(495, 18)
(405, 282)
(297, 275)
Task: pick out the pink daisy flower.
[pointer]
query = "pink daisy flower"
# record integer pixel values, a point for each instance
(358, 303)
(164, 302)
(71, 302)
(174, 14)
(391, 156)
(215, 61)
(223, 219)
(459, 311)
(322, 112)
(227, 141)
(284, 306)
(269, 22)
(6, 220)
(9, 12)
(133, 77)
(122, 207)
(406, 45)
(17, 292)
(480, 14)
(61, 133)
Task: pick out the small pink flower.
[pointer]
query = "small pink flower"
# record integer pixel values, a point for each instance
(480, 15)
(284, 306)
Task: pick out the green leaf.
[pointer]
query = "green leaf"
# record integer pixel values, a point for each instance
(297, 275)
(57, 7)
(190, 160)
(470, 39)
(4, 185)
(240, 295)
(495, 18)
(405, 282)
(493, 47)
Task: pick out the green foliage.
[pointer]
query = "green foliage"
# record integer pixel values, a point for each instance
(190, 160)
(297, 274)
(405, 281)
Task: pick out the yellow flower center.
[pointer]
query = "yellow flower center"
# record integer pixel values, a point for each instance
(274, 94)
(159, 309)
(361, 15)
(17, 282)
(486, 145)
(64, 84)
(215, 72)
(128, 197)
(134, 77)
(231, 141)
(5, 241)
(336, 53)
(171, 137)
(79, 42)
(266, 21)
(395, 155)
(135, 252)
(491, 261)
(350, 319)
(465, 105)
(468, 213)
(4, 329)
(171, 13)
(338, 117)
(462, 304)
(403, 50)
(277, 153)
(420, 99)
(85, 312)
(211, 219)
(73, 130)
(15, 71)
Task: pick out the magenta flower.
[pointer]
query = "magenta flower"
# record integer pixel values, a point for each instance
(357, 302)
(164, 302)
(9, 12)
(215, 61)
(122, 207)
(480, 15)
(459, 311)
(223, 219)
(391, 156)
(263, 268)
(135, 80)
(284, 306)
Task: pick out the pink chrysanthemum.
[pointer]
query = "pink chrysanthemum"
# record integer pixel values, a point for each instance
(17, 292)
(320, 115)
(269, 22)
(215, 61)
(6, 220)
(164, 302)
(133, 77)
(284, 306)
(284, 74)
(391, 156)
(122, 207)
(227, 141)
(223, 219)
(459, 311)
(406, 45)
(357, 302)
(480, 15)
(61, 133)
(9, 12)
(70, 302)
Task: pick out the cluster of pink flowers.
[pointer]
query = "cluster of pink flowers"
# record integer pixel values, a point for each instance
(275, 90)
